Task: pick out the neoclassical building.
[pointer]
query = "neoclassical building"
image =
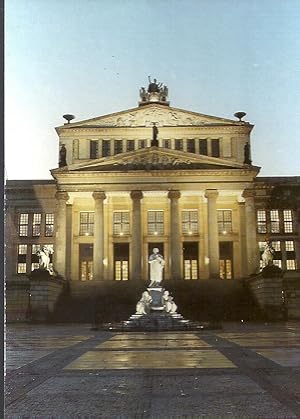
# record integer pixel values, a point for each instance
(153, 176)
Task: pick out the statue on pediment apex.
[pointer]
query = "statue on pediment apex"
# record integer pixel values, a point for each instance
(154, 86)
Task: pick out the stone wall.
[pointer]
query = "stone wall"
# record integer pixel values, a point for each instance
(291, 286)
(17, 295)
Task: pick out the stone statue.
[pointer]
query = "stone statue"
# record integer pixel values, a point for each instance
(169, 305)
(44, 258)
(154, 141)
(143, 305)
(268, 254)
(62, 156)
(247, 159)
(143, 94)
(157, 264)
(154, 86)
(164, 92)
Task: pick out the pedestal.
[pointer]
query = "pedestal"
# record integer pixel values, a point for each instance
(157, 300)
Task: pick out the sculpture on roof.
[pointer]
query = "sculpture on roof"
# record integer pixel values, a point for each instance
(247, 159)
(156, 92)
(154, 86)
(62, 156)
(154, 142)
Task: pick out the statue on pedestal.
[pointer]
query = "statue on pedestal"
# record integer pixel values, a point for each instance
(154, 142)
(154, 86)
(157, 264)
(44, 258)
(268, 254)
(62, 156)
(143, 305)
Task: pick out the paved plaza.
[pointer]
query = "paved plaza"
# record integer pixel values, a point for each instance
(69, 371)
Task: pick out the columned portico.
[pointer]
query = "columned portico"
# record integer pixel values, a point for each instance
(136, 242)
(175, 242)
(252, 247)
(98, 249)
(213, 236)
(61, 233)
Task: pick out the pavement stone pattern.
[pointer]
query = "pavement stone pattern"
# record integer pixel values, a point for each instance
(69, 371)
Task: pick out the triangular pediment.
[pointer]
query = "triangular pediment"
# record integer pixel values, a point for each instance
(145, 116)
(153, 158)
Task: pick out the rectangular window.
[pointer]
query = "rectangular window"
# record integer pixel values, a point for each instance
(21, 269)
(155, 222)
(141, 144)
(167, 143)
(224, 221)
(178, 144)
(276, 246)
(261, 221)
(289, 246)
(22, 252)
(121, 270)
(105, 148)
(93, 149)
(291, 265)
(287, 221)
(190, 146)
(118, 147)
(34, 257)
(189, 220)
(36, 225)
(191, 269)
(130, 145)
(277, 262)
(203, 147)
(86, 224)
(274, 218)
(49, 224)
(215, 148)
(23, 225)
(121, 222)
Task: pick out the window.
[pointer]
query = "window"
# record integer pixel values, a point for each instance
(289, 246)
(86, 224)
(274, 218)
(203, 147)
(167, 143)
(276, 246)
(118, 147)
(155, 222)
(261, 221)
(121, 270)
(189, 219)
(22, 252)
(224, 221)
(225, 267)
(130, 145)
(190, 269)
(36, 225)
(121, 222)
(34, 257)
(215, 148)
(105, 148)
(93, 149)
(190, 147)
(49, 225)
(277, 262)
(287, 221)
(178, 144)
(141, 144)
(290, 264)
(23, 225)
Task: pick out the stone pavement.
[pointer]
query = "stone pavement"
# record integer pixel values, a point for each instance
(69, 371)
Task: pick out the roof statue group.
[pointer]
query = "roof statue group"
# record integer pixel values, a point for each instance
(156, 92)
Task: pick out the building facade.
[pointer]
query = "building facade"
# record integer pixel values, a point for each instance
(153, 176)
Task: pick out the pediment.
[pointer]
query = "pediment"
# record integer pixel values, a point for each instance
(154, 158)
(144, 117)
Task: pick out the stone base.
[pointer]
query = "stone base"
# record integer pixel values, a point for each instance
(157, 300)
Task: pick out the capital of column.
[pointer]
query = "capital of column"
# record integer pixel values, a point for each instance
(211, 193)
(248, 193)
(62, 195)
(174, 194)
(98, 195)
(136, 195)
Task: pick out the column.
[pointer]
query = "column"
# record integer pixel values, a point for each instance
(136, 241)
(242, 241)
(175, 242)
(251, 242)
(213, 235)
(61, 233)
(98, 254)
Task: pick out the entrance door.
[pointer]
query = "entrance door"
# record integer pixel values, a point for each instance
(151, 246)
(226, 260)
(190, 260)
(86, 262)
(121, 261)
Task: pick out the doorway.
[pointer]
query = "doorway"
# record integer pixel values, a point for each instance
(121, 261)
(86, 262)
(226, 260)
(190, 260)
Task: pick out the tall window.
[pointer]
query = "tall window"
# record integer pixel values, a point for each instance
(261, 221)
(203, 147)
(22, 252)
(215, 148)
(34, 256)
(118, 146)
(121, 222)
(224, 221)
(178, 144)
(189, 219)
(142, 144)
(287, 221)
(105, 148)
(36, 225)
(274, 218)
(23, 225)
(49, 224)
(130, 145)
(167, 143)
(86, 224)
(93, 149)
(190, 146)
(155, 222)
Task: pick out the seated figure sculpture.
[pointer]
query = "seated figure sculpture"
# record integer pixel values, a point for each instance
(143, 305)
(169, 304)
(157, 264)
(44, 258)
